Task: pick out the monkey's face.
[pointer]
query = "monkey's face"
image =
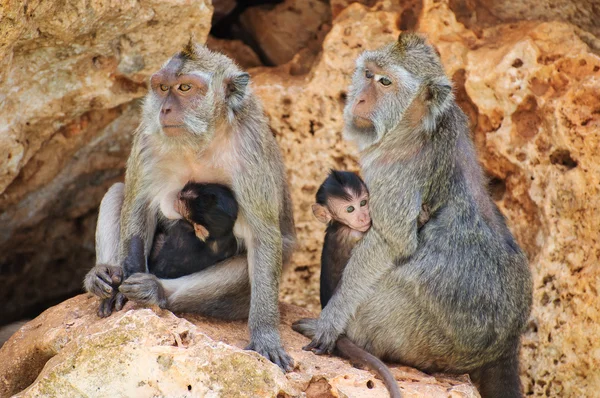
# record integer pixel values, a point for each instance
(192, 94)
(352, 211)
(384, 86)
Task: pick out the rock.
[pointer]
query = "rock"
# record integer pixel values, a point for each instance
(486, 13)
(284, 29)
(236, 50)
(68, 351)
(68, 73)
(222, 8)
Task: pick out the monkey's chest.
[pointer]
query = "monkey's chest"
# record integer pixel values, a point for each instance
(170, 175)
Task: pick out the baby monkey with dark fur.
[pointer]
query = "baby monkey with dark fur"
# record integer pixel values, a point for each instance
(202, 238)
(342, 202)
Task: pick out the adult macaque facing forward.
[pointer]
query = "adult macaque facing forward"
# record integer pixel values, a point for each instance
(201, 123)
(454, 295)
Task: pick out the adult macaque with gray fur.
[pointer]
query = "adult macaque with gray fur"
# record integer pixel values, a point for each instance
(201, 123)
(455, 295)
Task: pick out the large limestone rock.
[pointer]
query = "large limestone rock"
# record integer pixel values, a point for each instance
(69, 352)
(69, 71)
(486, 13)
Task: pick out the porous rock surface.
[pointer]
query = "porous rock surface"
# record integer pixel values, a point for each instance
(140, 352)
(530, 89)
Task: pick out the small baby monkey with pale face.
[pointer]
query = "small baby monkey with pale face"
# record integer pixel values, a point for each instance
(342, 204)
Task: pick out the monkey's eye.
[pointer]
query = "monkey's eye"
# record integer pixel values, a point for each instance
(385, 81)
(164, 87)
(368, 74)
(184, 87)
(363, 202)
(350, 209)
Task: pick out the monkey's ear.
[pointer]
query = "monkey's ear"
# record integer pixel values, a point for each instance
(437, 92)
(235, 91)
(321, 213)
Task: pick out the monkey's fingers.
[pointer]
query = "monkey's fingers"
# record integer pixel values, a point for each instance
(282, 359)
(116, 276)
(201, 232)
(276, 355)
(98, 282)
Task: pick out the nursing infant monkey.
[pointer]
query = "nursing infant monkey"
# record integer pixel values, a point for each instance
(200, 123)
(203, 238)
(454, 295)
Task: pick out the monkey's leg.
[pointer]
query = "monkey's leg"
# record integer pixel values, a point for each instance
(221, 291)
(501, 379)
(105, 277)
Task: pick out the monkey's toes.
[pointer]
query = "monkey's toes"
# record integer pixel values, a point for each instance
(144, 289)
(105, 308)
(120, 301)
(319, 347)
(305, 326)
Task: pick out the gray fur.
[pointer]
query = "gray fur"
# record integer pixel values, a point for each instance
(455, 294)
(229, 142)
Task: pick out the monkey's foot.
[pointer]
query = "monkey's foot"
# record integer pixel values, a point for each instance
(271, 349)
(324, 339)
(144, 289)
(102, 279)
(305, 326)
(116, 301)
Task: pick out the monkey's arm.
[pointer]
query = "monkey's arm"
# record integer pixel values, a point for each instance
(137, 217)
(260, 209)
(371, 259)
(395, 206)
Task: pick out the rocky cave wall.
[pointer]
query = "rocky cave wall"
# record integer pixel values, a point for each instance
(527, 76)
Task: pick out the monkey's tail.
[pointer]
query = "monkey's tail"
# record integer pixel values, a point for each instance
(358, 355)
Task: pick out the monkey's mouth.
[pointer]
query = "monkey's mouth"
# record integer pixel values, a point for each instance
(173, 129)
(362, 122)
(364, 228)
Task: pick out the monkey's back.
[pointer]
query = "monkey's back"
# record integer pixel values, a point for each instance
(178, 252)
(467, 287)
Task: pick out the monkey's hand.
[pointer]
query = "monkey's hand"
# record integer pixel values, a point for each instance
(103, 280)
(201, 232)
(144, 289)
(269, 346)
(324, 336)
